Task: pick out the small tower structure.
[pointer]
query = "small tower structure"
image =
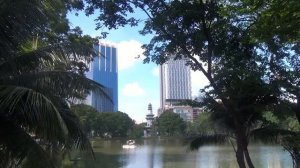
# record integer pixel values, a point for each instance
(149, 118)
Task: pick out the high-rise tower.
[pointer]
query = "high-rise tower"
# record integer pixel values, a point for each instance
(104, 70)
(175, 82)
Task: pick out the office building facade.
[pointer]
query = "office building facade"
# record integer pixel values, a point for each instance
(104, 70)
(175, 82)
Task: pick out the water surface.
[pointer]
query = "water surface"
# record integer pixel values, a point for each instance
(173, 153)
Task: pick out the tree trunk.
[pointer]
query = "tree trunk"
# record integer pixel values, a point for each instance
(297, 163)
(245, 149)
(297, 108)
(242, 144)
(239, 141)
(242, 153)
(296, 159)
(240, 156)
(248, 159)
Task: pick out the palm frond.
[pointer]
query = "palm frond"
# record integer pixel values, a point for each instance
(31, 60)
(46, 57)
(51, 121)
(77, 138)
(32, 110)
(57, 83)
(17, 145)
(204, 139)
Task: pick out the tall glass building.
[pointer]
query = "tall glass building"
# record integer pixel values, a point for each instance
(175, 82)
(104, 70)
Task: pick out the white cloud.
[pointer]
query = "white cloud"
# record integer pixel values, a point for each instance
(198, 82)
(129, 53)
(155, 71)
(133, 89)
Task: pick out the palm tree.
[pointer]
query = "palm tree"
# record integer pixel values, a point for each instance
(42, 64)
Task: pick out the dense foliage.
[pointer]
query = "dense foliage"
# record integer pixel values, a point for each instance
(137, 131)
(202, 124)
(170, 124)
(108, 124)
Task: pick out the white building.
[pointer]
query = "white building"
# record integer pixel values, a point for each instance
(175, 83)
(185, 112)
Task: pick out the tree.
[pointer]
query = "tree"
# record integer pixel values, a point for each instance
(104, 124)
(203, 124)
(87, 116)
(170, 124)
(42, 65)
(277, 29)
(115, 124)
(222, 40)
(137, 131)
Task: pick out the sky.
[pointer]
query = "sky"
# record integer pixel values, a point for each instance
(138, 83)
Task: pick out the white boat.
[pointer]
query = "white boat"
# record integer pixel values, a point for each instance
(130, 144)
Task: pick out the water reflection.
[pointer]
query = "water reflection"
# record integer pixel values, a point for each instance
(144, 156)
(172, 154)
(216, 156)
(271, 157)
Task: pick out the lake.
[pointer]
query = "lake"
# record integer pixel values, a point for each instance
(174, 153)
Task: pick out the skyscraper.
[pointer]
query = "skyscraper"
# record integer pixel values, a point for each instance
(175, 82)
(104, 70)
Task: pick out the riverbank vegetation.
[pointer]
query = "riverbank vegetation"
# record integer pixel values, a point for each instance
(110, 125)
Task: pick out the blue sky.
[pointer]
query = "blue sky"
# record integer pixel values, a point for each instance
(138, 83)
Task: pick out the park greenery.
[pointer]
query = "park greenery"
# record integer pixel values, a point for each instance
(247, 49)
(108, 125)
